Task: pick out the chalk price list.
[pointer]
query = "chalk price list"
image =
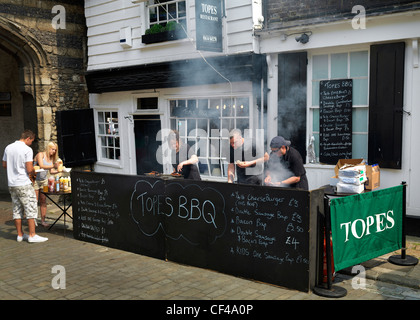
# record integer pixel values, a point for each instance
(95, 212)
(263, 224)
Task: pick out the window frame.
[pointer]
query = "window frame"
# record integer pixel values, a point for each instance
(314, 108)
(164, 22)
(103, 160)
(192, 140)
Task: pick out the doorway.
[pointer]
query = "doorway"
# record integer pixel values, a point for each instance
(146, 129)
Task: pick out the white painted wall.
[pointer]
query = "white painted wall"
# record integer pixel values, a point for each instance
(104, 20)
(126, 102)
(340, 36)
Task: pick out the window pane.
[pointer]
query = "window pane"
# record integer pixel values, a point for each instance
(152, 14)
(339, 66)
(242, 107)
(315, 93)
(315, 120)
(320, 67)
(172, 11)
(101, 128)
(242, 124)
(203, 104)
(360, 146)
(360, 91)
(359, 64)
(148, 103)
(360, 120)
(214, 124)
(202, 124)
(228, 124)
(191, 123)
(162, 13)
(182, 12)
(104, 141)
(227, 109)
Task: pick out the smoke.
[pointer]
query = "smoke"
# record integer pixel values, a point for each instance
(290, 119)
(278, 171)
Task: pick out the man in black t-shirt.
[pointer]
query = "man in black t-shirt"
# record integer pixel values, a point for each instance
(240, 158)
(285, 166)
(183, 161)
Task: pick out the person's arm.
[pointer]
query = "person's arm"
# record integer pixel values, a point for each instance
(291, 180)
(245, 164)
(4, 164)
(267, 179)
(231, 172)
(39, 159)
(192, 160)
(30, 170)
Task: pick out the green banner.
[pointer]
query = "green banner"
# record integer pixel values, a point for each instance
(365, 226)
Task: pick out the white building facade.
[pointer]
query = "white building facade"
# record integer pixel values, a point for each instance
(138, 89)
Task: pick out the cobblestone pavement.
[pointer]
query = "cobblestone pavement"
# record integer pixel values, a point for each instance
(65, 268)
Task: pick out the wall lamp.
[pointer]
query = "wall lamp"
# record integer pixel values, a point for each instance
(302, 38)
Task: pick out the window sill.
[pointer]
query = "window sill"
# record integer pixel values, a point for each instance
(319, 166)
(111, 164)
(162, 37)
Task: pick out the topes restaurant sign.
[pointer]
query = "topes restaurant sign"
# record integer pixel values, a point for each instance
(208, 15)
(365, 226)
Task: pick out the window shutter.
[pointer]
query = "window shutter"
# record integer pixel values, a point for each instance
(292, 72)
(386, 104)
(76, 137)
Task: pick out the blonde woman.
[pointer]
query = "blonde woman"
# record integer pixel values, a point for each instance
(49, 161)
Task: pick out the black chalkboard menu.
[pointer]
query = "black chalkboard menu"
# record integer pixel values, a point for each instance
(335, 120)
(261, 233)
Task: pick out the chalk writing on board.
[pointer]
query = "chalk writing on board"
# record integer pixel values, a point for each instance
(96, 212)
(190, 207)
(335, 120)
(261, 224)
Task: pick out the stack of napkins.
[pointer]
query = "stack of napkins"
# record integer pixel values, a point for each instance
(351, 178)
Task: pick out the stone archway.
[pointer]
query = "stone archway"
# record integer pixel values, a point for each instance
(24, 86)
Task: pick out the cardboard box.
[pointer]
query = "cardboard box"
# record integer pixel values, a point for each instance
(373, 174)
(342, 162)
(334, 179)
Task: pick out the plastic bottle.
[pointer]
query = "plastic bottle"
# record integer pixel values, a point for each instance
(65, 184)
(51, 184)
(57, 185)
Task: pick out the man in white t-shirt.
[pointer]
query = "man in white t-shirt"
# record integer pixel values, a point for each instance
(18, 161)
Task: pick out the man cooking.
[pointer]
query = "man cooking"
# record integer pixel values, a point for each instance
(285, 166)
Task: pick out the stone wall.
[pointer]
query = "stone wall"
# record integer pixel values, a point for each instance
(58, 39)
(291, 13)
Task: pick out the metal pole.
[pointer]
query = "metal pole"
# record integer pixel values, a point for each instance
(327, 236)
(403, 259)
(330, 291)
